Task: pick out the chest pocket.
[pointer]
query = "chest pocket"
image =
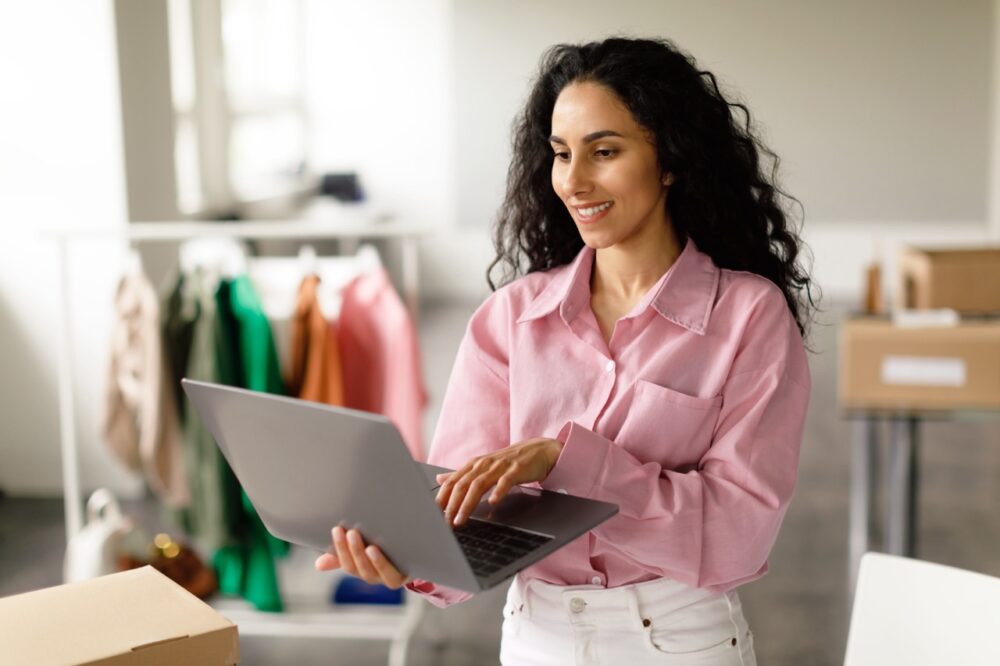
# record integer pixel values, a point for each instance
(668, 427)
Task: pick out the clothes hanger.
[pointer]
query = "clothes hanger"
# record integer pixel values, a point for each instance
(133, 261)
(224, 257)
(308, 263)
(367, 259)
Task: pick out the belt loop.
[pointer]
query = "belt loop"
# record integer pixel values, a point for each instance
(633, 605)
(524, 593)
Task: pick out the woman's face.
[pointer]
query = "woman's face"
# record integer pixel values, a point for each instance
(605, 168)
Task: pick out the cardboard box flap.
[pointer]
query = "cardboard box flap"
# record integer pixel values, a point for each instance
(97, 620)
(961, 255)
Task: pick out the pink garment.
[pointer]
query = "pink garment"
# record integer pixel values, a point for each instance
(690, 420)
(380, 355)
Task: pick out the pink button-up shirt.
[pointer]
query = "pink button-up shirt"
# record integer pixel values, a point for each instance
(690, 419)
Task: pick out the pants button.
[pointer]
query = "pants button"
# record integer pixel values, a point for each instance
(577, 604)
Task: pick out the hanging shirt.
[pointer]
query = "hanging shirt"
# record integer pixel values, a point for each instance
(140, 418)
(690, 419)
(315, 367)
(380, 355)
(258, 355)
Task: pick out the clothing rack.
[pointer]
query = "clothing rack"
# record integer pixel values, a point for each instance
(307, 618)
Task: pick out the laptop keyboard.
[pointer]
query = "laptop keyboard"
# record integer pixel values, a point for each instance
(489, 547)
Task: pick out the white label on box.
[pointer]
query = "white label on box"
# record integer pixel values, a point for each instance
(940, 318)
(923, 371)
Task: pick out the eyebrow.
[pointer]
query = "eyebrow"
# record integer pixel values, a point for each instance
(593, 136)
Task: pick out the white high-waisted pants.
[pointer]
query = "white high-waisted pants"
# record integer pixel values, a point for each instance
(657, 622)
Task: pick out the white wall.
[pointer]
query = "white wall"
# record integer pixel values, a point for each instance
(60, 167)
(994, 179)
(879, 111)
(380, 100)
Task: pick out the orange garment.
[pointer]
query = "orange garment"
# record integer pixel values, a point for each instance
(381, 356)
(315, 372)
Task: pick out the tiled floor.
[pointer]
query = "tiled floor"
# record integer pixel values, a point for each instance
(798, 611)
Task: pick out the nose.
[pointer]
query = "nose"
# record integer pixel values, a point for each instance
(576, 179)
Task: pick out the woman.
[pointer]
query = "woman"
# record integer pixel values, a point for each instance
(651, 356)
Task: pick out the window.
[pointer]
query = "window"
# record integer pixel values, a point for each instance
(237, 80)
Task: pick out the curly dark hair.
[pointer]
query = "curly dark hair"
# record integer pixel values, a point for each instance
(723, 197)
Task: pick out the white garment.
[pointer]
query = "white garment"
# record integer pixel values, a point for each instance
(657, 622)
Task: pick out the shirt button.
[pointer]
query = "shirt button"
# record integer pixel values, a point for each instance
(577, 604)
(562, 491)
(596, 580)
(610, 366)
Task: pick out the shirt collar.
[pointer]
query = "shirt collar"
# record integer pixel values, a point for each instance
(684, 294)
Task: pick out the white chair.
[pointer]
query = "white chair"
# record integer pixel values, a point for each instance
(923, 614)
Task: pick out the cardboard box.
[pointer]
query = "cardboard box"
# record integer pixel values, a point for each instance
(883, 366)
(966, 280)
(133, 617)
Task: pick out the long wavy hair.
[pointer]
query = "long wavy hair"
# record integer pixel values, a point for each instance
(725, 196)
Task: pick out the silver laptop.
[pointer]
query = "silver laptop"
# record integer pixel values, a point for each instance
(307, 467)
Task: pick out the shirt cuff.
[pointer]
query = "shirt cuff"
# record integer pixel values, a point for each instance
(580, 462)
(438, 595)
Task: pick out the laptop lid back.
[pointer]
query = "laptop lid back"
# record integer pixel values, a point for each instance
(307, 467)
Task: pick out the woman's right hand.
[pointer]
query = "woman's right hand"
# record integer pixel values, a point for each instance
(368, 563)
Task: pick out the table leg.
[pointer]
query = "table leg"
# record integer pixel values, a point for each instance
(899, 472)
(913, 432)
(863, 464)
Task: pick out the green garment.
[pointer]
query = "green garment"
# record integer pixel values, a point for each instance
(208, 338)
(246, 566)
(261, 371)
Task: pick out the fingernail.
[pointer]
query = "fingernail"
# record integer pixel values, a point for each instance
(372, 552)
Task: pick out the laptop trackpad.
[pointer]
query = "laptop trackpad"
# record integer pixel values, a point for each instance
(522, 507)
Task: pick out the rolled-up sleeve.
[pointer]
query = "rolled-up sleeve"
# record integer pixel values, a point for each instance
(712, 526)
(475, 413)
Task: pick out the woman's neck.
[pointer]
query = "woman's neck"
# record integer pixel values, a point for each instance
(626, 271)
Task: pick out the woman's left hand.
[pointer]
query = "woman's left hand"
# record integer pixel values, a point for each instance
(524, 462)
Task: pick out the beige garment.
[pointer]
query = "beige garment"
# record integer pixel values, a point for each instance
(316, 372)
(140, 423)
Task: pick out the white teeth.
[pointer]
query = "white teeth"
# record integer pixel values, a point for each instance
(590, 212)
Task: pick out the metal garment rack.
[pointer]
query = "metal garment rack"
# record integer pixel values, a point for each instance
(304, 617)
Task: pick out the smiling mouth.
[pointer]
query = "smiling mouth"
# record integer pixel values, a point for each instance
(593, 211)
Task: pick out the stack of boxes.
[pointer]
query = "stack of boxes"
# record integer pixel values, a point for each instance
(941, 362)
